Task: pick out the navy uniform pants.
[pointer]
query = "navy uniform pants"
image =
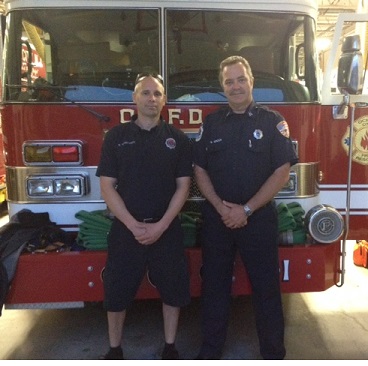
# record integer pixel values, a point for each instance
(258, 246)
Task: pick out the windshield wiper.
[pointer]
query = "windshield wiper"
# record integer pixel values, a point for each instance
(56, 91)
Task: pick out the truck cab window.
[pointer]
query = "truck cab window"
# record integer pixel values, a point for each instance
(80, 55)
(199, 40)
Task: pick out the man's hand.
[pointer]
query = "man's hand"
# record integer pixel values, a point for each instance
(234, 217)
(146, 233)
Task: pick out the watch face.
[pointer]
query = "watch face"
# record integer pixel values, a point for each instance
(247, 210)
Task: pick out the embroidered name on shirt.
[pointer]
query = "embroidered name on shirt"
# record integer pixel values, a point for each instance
(216, 141)
(126, 143)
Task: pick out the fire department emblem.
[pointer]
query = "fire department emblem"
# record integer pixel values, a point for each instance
(283, 127)
(170, 143)
(360, 140)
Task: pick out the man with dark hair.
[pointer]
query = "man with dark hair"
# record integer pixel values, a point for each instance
(242, 158)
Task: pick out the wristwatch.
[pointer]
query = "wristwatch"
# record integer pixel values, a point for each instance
(247, 210)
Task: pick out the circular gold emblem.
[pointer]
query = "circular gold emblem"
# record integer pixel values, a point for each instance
(360, 140)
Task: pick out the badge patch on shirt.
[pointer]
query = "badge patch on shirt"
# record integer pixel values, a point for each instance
(258, 134)
(170, 143)
(283, 128)
(200, 132)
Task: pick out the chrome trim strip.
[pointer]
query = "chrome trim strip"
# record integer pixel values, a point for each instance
(17, 177)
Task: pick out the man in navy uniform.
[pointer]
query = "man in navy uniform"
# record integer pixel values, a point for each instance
(242, 158)
(145, 172)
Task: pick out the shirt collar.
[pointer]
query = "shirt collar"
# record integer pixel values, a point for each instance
(249, 112)
(137, 128)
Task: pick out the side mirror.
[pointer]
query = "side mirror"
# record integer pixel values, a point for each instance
(350, 69)
(299, 61)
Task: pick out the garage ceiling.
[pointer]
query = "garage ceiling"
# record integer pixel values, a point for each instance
(328, 11)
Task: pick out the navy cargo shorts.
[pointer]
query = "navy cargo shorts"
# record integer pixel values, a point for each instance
(128, 262)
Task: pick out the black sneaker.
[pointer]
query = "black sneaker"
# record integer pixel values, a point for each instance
(170, 352)
(113, 354)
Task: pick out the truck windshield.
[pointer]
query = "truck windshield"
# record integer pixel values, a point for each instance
(59, 55)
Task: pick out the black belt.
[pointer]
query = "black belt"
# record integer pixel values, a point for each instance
(149, 220)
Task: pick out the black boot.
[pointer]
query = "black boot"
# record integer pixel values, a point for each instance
(115, 353)
(170, 352)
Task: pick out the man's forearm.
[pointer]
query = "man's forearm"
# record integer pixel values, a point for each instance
(270, 188)
(206, 187)
(177, 201)
(115, 203)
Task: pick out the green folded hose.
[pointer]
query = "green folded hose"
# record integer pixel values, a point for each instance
(291, 223)
(94, 229)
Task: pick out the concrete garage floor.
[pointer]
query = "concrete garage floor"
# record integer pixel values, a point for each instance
(329, 325)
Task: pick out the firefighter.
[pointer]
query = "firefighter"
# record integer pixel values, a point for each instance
(145, 171)
(242, 157)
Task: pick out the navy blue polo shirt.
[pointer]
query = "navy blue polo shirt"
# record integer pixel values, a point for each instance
(146, 165)
(241, 151)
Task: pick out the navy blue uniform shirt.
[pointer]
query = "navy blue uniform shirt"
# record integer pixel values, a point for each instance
(146, 165)
(241, 151)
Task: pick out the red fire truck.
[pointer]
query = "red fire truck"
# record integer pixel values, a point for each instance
(29, 54)
(92, 51)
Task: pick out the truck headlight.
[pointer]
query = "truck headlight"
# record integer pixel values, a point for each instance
(57, 186)
(40, 187)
